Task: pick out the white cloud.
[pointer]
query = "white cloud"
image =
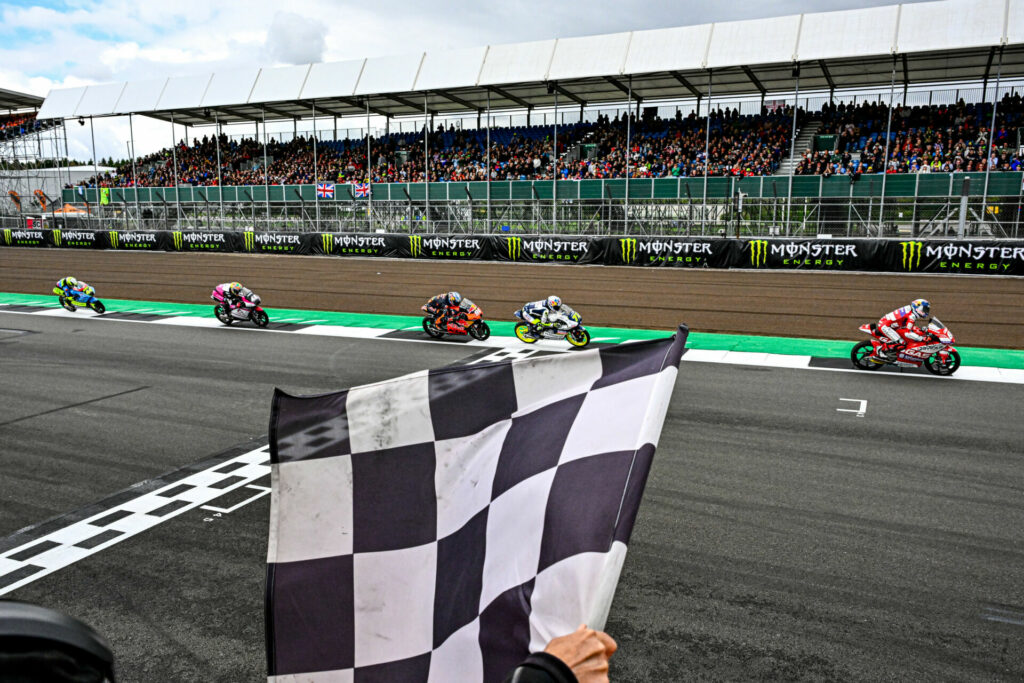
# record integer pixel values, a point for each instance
(294, 39)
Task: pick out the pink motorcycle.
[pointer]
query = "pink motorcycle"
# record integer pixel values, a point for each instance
(249, 310)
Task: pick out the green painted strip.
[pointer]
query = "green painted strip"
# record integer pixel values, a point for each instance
(822, 348)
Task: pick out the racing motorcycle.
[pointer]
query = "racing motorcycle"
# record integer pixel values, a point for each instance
(250, 310)
(935, 350)
(79, 298)
(469, 322)
(570, 328)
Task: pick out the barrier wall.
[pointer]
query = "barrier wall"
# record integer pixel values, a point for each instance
(804, 186)
(999, 257)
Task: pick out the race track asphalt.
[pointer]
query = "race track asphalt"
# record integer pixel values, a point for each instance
(982, 310)
(779, 539)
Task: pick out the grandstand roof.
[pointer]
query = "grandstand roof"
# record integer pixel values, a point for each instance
(10, 100)
(944, 41)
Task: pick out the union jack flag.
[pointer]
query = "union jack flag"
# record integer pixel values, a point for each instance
(362, 189)
(325, 191)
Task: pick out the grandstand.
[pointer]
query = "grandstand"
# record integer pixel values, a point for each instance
(571, 168)
(31, 149)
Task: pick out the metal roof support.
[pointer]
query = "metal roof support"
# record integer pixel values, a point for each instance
(316, 167)
(988, 68)
(792, 143)
(509, 96)
(280, 112)
(426, 159)
(753, 79)
(686, 84)
(220, 180)
(174, 160)
(266, 171)
(356, 104)
(559, 89)
(135, 175)
(906, 78)
(487, 168)
(408, 103)
(828, 79)
(369, 171)
(235, 112)
(618, 85)
(707, 155)
(991, 138)
(457, 100)
(885, 160)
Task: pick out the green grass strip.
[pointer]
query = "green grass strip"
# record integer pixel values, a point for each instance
(822, 348)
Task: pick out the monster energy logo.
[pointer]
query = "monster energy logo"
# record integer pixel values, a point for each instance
(514, 247)
(249, 239)
(113, 239)
(416, 245)
(56, 238)
(7, 236)
(627, 245)
(758, 252)
(178, 240)
(910, 252)
(328, 242)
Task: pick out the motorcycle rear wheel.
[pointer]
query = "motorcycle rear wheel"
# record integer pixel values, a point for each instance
(66, 303)
(428, 327)
(260, 318)
(222, 314)
(935, 365)
(859, 356)
(479, 330)
(578, 337)
(524, 334)
(98, 307)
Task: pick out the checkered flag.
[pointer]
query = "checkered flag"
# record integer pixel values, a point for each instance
(443, 525)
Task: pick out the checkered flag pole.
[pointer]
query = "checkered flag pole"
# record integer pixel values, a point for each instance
(443, 525)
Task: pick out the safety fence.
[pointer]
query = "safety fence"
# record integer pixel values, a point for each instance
(982, 257)
(965, 216)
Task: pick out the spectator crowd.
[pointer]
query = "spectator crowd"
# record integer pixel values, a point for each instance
(922, 139)
(936, 138)
(14, 125)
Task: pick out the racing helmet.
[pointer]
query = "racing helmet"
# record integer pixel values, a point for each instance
(454, 298)
(235, 288)
(70, 281)
(921, 308)
(554, 302)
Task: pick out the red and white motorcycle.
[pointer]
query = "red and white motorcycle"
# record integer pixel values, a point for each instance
(934, 350)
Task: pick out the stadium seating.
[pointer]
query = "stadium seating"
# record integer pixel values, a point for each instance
(936, 138)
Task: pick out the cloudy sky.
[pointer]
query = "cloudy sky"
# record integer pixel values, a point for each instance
(62, 43)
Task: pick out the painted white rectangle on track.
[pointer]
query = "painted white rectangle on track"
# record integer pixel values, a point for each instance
(44, 555)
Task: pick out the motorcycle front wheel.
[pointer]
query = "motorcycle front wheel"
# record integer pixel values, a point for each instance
(98, 307)
(578, 337)
(222, 314)
(860, 354)
(937, 366)
(66, 303)
(260, 318)
(428, 327)
(479, 330)
(523, 333)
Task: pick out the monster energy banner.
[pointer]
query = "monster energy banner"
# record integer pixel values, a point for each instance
(543, 249)
(346, 244)
(23, 238)
(275, 243)
(665, 251)
(816, 254)
(988, 257)
(456, 247)
(137, 240)
(77, 239)
(206, 241)
(994, 257)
